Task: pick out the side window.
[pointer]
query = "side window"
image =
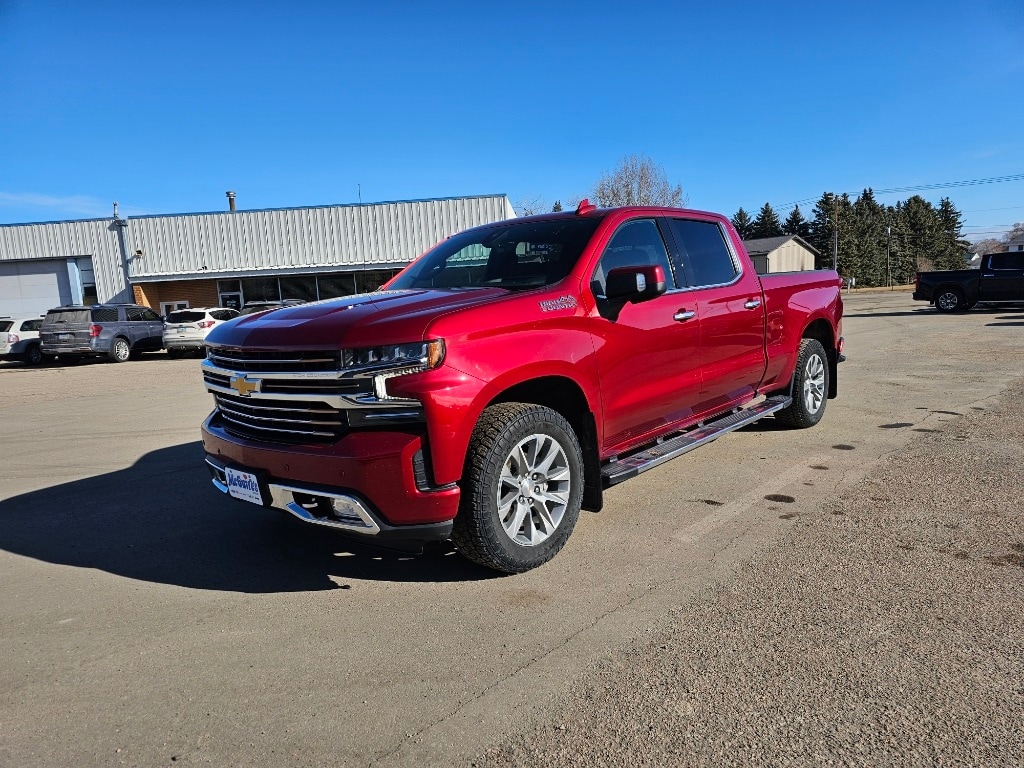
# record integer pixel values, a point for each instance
(31, 325)
(704, 251)
(150, 315)
(105, 315)
(636, 244)
(133, 314)
(1007, 261)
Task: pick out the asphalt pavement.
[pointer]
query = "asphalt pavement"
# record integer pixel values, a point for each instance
(846, 594)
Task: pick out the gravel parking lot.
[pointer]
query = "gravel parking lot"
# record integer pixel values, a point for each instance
(849, 594)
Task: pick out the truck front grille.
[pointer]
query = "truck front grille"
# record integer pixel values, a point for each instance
(281, 421)
(253, 360)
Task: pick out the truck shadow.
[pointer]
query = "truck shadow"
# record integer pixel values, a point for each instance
(160, 520)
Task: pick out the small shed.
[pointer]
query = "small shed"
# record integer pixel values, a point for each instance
(787, 253)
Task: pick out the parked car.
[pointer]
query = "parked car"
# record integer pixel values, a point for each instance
(19, 339)
(252, 307)
(503, 380)
(114, 331)
(186, 329)
(999, 278)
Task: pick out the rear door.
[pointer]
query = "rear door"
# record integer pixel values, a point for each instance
(1003, 278)
(155, 329)
(647, 353)
(730, 305)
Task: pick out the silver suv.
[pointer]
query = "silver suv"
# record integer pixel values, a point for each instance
(114, 331)
(19, 339)
(186, 329)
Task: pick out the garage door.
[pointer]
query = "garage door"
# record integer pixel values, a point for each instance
(32, 287)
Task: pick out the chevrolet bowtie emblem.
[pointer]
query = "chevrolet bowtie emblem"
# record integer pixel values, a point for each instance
(244, 386)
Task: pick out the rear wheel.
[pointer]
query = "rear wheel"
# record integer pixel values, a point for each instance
(810, 387)
(119, 351)
(523, 484)
(34, 355)
(950, 300)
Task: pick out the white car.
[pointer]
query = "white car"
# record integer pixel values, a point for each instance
(185, 329)
(19, 340)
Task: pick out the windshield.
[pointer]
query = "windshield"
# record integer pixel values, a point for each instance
(516, 256)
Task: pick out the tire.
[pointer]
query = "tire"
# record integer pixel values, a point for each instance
(34, 355)
(119, 351)
(949, 300)
(522, 487)
(810, 387)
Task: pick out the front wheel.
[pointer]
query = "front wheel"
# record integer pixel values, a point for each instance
(523, 484)
(119, 351)
(810, 387)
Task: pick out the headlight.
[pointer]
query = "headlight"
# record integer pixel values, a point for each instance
(418, 355)
(394, 360)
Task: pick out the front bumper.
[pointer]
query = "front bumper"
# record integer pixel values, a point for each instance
(366, 483)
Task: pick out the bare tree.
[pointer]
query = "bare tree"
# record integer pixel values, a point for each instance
(637, 180)
(528, 206)
(988, 245)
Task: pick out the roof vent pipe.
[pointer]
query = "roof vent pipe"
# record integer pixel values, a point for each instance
(231, 201)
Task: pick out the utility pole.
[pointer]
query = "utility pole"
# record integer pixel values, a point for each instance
(835, 236)
(888, 249)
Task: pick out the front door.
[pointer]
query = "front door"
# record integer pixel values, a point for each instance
(1003, 279)
(647, 353)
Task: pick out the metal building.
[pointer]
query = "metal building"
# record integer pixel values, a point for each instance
(227, 258)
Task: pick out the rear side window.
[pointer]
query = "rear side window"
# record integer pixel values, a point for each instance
(104, 315)
(186, 316)
(703, 251)
(223, 314)
(5, 326)
(150, 315)
(31, 325)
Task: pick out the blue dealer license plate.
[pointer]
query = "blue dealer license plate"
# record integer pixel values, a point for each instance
(244, 486)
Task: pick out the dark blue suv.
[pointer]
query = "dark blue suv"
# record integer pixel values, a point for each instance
(117, 331)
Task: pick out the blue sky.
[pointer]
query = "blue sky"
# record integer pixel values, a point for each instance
(165, 106)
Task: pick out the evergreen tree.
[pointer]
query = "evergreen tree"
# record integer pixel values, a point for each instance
(820, 230)
(921, 237)
(868, 245)
(796, 224)
(742, 223)
(557, 206)
(952, 248)
(901, 258)
(766, 223)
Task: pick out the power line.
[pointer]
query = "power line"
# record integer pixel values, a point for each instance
(919, 188)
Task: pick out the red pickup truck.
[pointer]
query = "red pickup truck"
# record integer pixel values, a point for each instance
(505, 378)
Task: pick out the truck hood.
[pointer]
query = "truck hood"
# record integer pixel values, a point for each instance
(363, 320)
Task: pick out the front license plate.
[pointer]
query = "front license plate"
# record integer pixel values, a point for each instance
(244, 486)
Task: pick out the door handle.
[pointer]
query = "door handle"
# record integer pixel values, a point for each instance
(753, 304)
(683, 315)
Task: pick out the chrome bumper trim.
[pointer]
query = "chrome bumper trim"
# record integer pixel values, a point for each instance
(348, 513)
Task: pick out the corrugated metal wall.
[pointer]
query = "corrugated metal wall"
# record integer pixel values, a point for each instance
(351, 235)
(67, 239)
(193, 245)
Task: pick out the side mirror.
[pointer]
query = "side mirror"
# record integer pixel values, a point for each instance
(635, 284)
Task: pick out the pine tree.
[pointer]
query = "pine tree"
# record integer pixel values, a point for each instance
(741, 221)
(869, 240)
(921, 238)
(952, 248)
(820, 229)
(557, 206)
(796, 224)
(766, 223)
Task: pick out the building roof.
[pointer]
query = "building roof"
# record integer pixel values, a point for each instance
(763, 245)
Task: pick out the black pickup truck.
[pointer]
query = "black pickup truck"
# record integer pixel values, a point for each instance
(1000, 278)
